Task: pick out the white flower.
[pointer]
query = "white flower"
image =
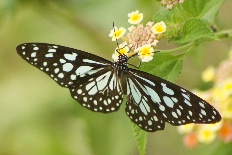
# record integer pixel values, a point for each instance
(159, 27)
(117, 33)
(135, 17)
(145, 53)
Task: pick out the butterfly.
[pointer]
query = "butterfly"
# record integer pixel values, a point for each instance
(99, 85)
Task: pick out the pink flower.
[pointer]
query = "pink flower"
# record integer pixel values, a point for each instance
(190, 140)
(225, 133)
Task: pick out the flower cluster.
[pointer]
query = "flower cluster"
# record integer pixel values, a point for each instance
(171, 3)
(220, 96)
(140, 40)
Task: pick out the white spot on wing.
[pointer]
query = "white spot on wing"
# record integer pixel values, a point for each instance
(174, 114)
(83, 69)
(61, 75)
(67, 67)
(102, 80)
(154, 96)
(79, 91)
(33, 54)
(167, 90)
(35, 48)
(144, 108)
(56, 70)
(62, 60)
(168, 101)
(161, 107)
(203, 112)
(49, 55)
(73, 77)
(52, 50)
(187, 102)
(70, 57)
(92, 61)
(186, 96)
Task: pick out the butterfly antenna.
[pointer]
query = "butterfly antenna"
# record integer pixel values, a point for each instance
(116, 40)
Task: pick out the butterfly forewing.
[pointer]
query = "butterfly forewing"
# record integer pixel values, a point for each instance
(64, 65)
(89, 77)
(171, 103)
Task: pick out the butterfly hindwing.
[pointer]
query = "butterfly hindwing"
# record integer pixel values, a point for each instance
(171, 103)
(64, 65)
(100, 93)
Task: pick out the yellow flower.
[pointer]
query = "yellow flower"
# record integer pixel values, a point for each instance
(223, 90)
(205, 135)
(207, 132)
(145, 53)
(117, 33)
(208, 74)
(122, 49)
(226, 108)
(228, 85)
(135, 17)
(185, 128)
(159, 28)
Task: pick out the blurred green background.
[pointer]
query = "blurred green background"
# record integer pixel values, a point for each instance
(38, 117)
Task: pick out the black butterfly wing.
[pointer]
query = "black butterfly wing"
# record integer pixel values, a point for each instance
(89, 77)
(102, 92)
(158, 101)
(63, 64)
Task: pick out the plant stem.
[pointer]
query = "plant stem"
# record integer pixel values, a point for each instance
(178, 49)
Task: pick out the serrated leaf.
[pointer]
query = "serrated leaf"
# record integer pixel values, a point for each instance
(165, 66)
(194, 29)
(141, 138)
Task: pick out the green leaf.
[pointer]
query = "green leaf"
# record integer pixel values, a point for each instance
(211, 10)
(194, 7)
(141, 138)
(194, 29)
(168, 16)
(198, 8)
(165, 66)
(162, 15)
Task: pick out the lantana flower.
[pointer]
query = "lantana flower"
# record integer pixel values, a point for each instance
(135, 17)
(140, 39)
(145, 53)
(117, 33)
(159, 28)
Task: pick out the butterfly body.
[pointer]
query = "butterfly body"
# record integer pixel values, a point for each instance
(99, 85)
(120, 69)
